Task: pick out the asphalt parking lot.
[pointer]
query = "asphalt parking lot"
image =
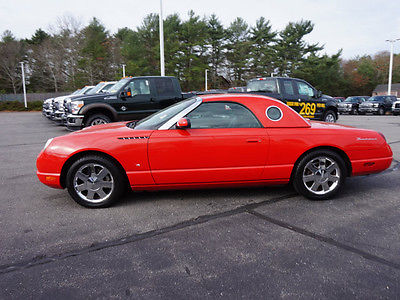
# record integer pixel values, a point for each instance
(229, 243)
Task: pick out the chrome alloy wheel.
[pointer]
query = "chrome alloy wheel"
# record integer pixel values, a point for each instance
(98, 121)
(330, 118)
(321, 175)
(93, 182)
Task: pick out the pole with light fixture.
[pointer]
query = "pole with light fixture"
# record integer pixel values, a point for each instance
(206, 79)
(123, 71)
(391, 65)
(23, 83)
(162, 65)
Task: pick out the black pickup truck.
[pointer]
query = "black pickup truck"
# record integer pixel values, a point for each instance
(298, 94)
(131, 98)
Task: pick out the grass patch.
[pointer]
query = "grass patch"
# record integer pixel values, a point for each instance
(19, 106)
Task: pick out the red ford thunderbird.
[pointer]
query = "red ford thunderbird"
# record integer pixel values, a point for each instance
(211, 141)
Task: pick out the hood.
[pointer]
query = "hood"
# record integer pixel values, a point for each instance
(93, 97)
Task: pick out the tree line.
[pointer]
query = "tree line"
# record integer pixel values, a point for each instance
(69, 55)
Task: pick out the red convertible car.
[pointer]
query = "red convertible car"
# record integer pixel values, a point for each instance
(225, 140)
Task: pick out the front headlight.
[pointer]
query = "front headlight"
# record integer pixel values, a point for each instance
(76, 106)
(47, 143)
(376, 104)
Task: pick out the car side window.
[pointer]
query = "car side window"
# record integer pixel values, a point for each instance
(222, 115)
(304, 89)
(288, 87)
(139, 87)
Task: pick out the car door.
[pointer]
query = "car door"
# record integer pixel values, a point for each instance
(225, 143)
(137, 102)
(308, 104)
(289, 94)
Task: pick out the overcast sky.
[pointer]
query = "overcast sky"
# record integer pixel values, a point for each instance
(358, 26)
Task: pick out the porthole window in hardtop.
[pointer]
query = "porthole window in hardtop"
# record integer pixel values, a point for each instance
(274, 113)
(222, 115)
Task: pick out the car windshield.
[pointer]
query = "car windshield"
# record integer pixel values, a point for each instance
(116, 87)
(108, 86)
(262, 85)
(97, 88)
(76, 92)
(157, 119)
(374, 98)
(350, 99)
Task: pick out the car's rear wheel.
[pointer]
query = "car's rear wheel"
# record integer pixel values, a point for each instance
(319, 175)
(330, 116)
(97, 119)
(381, 111)
(94, 181)
(353, 111)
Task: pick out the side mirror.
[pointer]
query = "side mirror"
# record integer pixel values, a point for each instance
(183, 123)
(318, 94)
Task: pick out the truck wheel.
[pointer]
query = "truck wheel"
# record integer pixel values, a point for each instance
(319, 175)
(97, 119)
(381, 111)
(330, 117)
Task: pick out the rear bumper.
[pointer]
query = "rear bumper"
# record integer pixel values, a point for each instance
(50, 179)
(370, 166)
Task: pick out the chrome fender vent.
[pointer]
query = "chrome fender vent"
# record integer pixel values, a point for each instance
(133, 138)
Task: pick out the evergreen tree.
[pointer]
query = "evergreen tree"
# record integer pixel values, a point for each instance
(291, 49)
(263, 56)
(238, 51)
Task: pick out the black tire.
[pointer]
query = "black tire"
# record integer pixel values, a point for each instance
(97, 119)
(361, 113)
(330, 116)
(353, 111)
(115, 178)
(301, 170)
(395, 114)
(381, 111)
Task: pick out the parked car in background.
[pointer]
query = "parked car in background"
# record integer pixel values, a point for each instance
(47, 110)
(130, 98)
(237, 89)
(298, 94)
(351, 104)
(101, 87)
(58, 101)
(396, 107)
(339, 99)
(378, 105)
(226, 140)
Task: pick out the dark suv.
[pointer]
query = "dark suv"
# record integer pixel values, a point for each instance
(377, 105)
(298, 94)
(351, 104)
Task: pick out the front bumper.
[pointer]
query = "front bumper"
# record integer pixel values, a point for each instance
(368, 109)
(344, 109)
(47, 113)
(50, 179)
(74, 121)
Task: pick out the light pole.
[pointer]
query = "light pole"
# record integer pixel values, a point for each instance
(23, 83)
(161, 41)
(123, 71)
(391, 64)
(206, 71)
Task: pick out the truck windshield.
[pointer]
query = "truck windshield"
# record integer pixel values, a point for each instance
(156, 120)
(374, 98)
(262, 85)
(97, 88)
(116, 87)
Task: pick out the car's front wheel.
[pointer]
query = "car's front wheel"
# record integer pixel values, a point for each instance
(319, 175)
(330, 116)
(95, 181)
(381, 111)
